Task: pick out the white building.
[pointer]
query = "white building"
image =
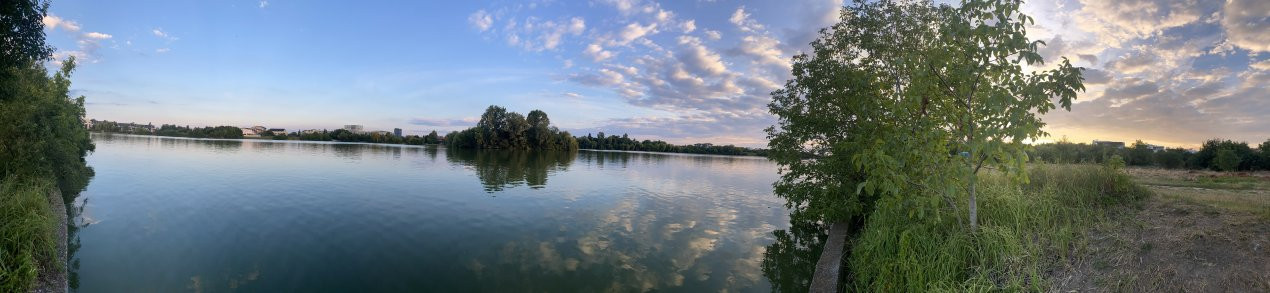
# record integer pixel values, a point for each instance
(354, 128)
(250, 132)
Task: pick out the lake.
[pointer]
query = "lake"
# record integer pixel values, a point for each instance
(174, 214)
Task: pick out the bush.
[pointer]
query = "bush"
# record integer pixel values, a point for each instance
(26, 234)
(1226, 160)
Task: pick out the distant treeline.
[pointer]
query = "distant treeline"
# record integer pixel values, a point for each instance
(625, 143)
(497, 129)
(500, 129)
(344, 135)
(166, 130)
(232, 132)
(1220, 155)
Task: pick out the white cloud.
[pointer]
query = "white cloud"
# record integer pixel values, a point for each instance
(699, 58)
(631, 32)
(1261, 65)
(742, 19)
(264, 4)
(162, 50)
(1119, 21)
(158, 32)
(688, 26)
(605, 77)
(481, 20)
(534, 34)
(52, 22)
(597, 53)
(1247, 24)
(97, 35)
(576, 25)
(625, 7)
(713, 35)
(1132, 63)
(765, 50)
(87, 43)
(663, 16)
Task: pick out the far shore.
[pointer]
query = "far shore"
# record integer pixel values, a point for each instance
(265, 139)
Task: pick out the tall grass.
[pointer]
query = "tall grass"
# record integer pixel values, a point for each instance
(920, 243)
(27, 238)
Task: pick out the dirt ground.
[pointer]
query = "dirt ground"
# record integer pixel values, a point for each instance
(1200, 232)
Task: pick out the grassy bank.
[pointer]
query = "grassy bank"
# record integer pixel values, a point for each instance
(27, 240)
(922, 243)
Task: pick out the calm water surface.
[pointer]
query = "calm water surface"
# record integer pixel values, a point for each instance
(173, 215)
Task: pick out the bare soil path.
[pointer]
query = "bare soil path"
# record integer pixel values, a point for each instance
(1182, 239)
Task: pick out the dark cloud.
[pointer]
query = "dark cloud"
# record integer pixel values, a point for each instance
(1095, 76)
(1129, 89)
(1091, 58)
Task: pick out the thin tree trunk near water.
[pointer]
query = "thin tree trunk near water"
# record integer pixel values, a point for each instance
(974, 210)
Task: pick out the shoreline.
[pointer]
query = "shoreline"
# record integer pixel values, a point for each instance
(404, 145)
(52, 276)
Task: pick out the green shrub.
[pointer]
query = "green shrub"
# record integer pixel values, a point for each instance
(26, 233)
(1226, 160)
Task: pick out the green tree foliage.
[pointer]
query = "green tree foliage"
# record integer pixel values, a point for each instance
(42, 134)
(500, 129)
(23, 43)
(909, 98)
(1264, 150)
(1206, 157)
(43, 142)
(1140, 154)
(432, 138)
(1172, 158)
(1226, 160)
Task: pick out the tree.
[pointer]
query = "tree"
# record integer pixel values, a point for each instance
(539, 128)
(905, 98)
(432, 138)
(1226, 160)
(500, 129)
(1139, 154)
(1264, 150)
(23, 43)
(1207, 155)
(1171, 158)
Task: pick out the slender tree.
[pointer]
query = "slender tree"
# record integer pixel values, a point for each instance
(905, 98)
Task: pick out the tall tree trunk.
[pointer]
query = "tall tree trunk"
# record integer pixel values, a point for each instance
(974, 172)
(974, 210)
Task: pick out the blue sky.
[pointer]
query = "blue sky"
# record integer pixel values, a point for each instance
(1168, 72)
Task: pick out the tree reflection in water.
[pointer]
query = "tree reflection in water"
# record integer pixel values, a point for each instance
(790, 262)
(500, 169)
(74, 208)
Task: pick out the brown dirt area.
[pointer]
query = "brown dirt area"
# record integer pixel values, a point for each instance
(1185, 238)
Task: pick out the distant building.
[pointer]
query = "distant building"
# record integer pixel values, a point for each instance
(250, 132)
(396, 131)
(354, 128)
(278, 131)
(380, 132)
(1114, 144)
(1155, 148)
(311, 131)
